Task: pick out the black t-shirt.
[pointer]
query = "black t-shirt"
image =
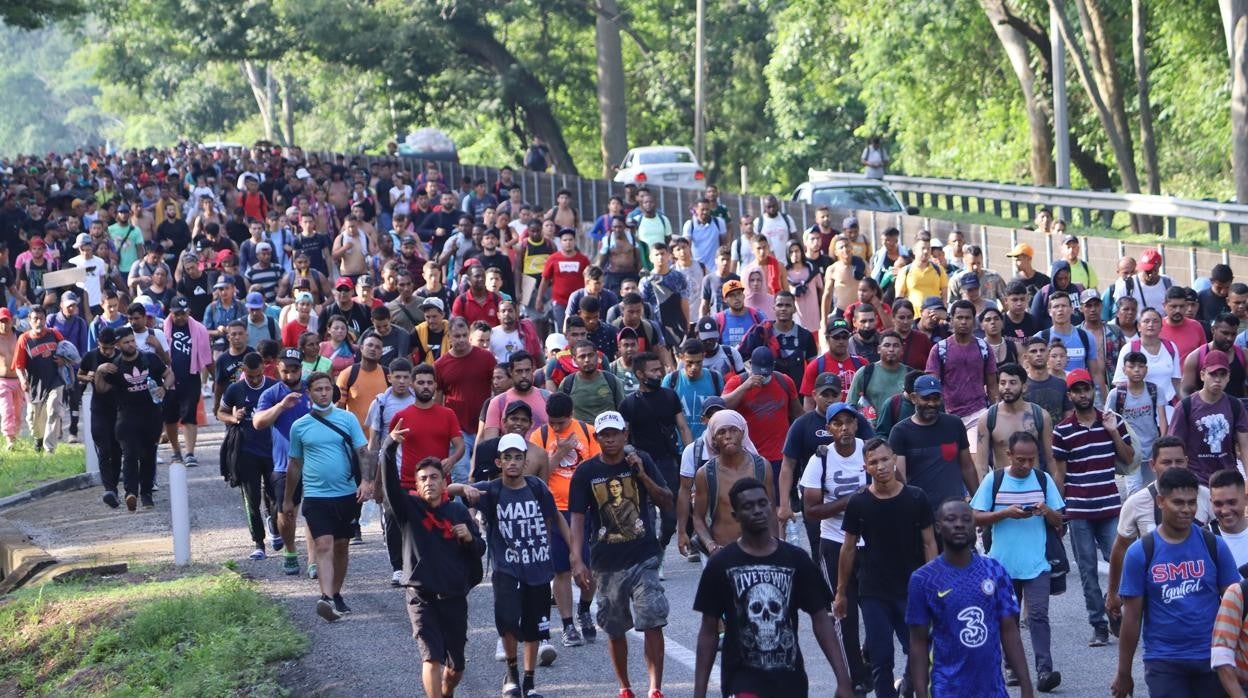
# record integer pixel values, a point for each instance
(32, 274)
(8, 278)
(313, 246)
(618, 509)
(1021, 330)
(500, 260)
(484, 466)
(1038, 281)
(180, 349)
(807, 433)
(758, 598)
(932, 455)
(198, 292)
(134, 402)
(357, 316)
(229, 366)
(651, 421)
(892, 529)
(257, 442)
(101, 403)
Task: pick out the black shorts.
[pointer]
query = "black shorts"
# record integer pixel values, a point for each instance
(559, 547)
(181, 405)
(521, 610)
(279, 489)
(332, 516)
(440, 626)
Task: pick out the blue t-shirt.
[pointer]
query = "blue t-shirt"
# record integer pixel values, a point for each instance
(1077, 355)
(1018, 544)
(280, 432)
(256, 442)
(964, 608)
(1180, 593)
(326, 468)
(691, 394)
(735, 327)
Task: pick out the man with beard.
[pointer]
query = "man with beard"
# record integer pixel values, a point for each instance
(359, 385)
(1010, 416)
(103, 411)
(253, 469)
(228, 365)
(966, 367)
(190, 353)
(512, 333)
(278, 407)
(793, 345)
(1187, 334)
(437, 433)
(463, 377)
(1223, 331)
(931, 447)
(729, 463)
(140, 382)
(405, 309)
(520, 367)
(876, 383)
(39, 373)
(838, 360)
(476, 302)
(729, 585)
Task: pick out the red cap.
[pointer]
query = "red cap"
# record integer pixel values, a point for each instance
(344, 281)
(1079, 375)
(6, 315)
(1215, 360)
(1150, 259)
(223, 255)
(36, 241)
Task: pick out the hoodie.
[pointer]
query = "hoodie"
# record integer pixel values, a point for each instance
(1040, 303)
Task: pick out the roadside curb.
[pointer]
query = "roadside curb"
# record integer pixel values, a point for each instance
(73, 482)
(20, 558)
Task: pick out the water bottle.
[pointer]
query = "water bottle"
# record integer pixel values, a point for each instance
(793, 531)
(151, 390)
(368, 513)
(865, 408)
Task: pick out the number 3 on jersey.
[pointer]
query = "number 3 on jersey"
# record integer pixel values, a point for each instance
(975, 633)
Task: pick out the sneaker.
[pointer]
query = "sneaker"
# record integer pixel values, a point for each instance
(1100, 636)
(694, 557)
(656, 693)
(311, 570)
(1011, 678)
(176, 459)
(589, 631)
(532, 694)
(110, 498)
(277, 543)
(396, 579)
(904, 689)
(341, 606)
(148, 502)
(511, 689)
(546, 654)
(257, 554)
(191, 461)
(662, 575)
(500, 655)
(325, 609)
(290, 565)
(572, 638)
(627, 693)
(358, 538)
(1048, 680)
(132, 502)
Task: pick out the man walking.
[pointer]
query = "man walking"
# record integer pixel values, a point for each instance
(141, 382)
(1212, 424)
(103, 412)
(39, 373)
(253, 468)
(931, 447)
(277, 409)
(190, 357)
(12, 395)
(1010, 416)
(966, 368)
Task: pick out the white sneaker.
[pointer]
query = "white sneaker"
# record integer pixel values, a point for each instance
(546, 654)
(500, 655)
(396, 579)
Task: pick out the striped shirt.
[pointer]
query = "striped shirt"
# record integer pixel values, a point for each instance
(1230, 636)
(1091, 492)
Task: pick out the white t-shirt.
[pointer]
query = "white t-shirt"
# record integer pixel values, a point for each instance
(842, 476)
(777, 231)
(94, 272)
(503, 343)
(404, 206)
(140, 338)
(1136, 517)
(1238, 543)
(1163, 368)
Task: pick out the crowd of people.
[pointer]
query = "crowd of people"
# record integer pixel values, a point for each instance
(552, 396)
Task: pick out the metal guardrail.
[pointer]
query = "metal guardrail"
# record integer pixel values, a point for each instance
(983, 196)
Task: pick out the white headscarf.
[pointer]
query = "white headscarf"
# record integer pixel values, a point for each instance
(727, 418)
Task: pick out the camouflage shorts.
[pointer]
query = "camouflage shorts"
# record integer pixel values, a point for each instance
(631, 598)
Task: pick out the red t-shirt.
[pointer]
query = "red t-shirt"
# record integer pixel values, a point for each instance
(465, 384)
(565, 274)
(291, 332)
(845, 369)
(469, 309)
(1187, 336)
(429, 434)
(766, 412)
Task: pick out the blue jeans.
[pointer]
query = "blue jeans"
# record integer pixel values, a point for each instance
(463, 467)
(1175, 678)
(1087, 536)
(884, 619)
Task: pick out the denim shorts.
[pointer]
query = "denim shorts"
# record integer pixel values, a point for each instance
(631, 598)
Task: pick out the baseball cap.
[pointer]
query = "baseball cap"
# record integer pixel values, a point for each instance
(556, 342)
(179, 305)
(223, 281)
(626, 333)
(609, 420)
(1067, 239)
(70, 298)
(732, 285)
(1080, 375)
(254, 300)
(1088, 295)
(828, 379)
(937, 244)
(264, 246)
(839, 326)
(36, 241)
(1214, 360)
(303, 296)
(1022, 249)
(837, 408)
(932, 302)
(431, 302)
(511, 442)
(366, 281)
(1149, 260)
(302, 173)
(152, 309)
(223, 255)
(849, 222)
(762, 361)
(5, 314)
(82, 239)
(713, 403)
(292, 355)
(124, 208)
(969, 281)
(516, 406)
(708, 328)
(344, 282)
(927, 385)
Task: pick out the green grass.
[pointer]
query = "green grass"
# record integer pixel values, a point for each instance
(22, 468)
(203, 632)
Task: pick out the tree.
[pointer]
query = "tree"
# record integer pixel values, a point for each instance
(1039, 116)
(1235, 22)
(612, 104)
(35, 14)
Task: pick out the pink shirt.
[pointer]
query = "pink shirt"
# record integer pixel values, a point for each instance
(1187, 336)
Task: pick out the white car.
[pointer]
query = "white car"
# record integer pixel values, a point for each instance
(850, 192)
(664, 165)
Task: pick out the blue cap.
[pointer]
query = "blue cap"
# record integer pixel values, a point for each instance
(837, 408)
(762, 361)
(254, 301)
(927, 385)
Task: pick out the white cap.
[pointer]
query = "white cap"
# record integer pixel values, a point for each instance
(556, 342)
(610, 420)
(302, 173)
(512, 441)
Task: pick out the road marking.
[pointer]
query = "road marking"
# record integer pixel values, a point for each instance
(684, 655)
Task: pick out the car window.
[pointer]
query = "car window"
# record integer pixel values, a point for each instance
(664, 157)
(866, 197)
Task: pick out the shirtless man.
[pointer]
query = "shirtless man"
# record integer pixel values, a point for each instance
(731, 461)
(1010, 415)
(620, 258)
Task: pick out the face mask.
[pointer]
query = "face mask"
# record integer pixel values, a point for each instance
(653, 383)
(867, 335)
(322, 410)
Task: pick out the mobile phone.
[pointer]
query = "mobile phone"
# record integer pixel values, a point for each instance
(1029, 508)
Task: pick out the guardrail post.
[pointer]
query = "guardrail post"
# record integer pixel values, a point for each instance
(1191, 262)
(996, 207)
(1014, 210)
(948, 201)
(1213, 231)
(1031, 213)
(966, 204)
(1161, 248)
(745, 180)
(1172, 227)
(979, 203)
(1234, 228)
(1226, 256)
(1122, 249)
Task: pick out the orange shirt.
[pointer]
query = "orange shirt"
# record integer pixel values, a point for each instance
(561, 473)
(368, 385)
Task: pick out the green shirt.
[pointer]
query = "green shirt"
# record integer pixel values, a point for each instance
(884, 385)
(128, 239)
(591, 398)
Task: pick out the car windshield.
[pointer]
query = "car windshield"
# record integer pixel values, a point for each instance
(865, 197)
(662, 157)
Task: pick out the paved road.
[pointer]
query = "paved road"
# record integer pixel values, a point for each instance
(372, 653)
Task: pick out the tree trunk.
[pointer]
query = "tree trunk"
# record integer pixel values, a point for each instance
(1038, 115)
(1235, 20)
(612, 104)
(1148, 141)
(519, 86)
(288, 108)
(261, 94)
(1105, 71)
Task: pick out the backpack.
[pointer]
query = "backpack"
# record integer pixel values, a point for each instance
(1166, 283)
(1054, 549)
(647, 330)
(1211, 545)
(354, 375)
(942, 351)
(717, 381)
(566, 385)
(761, 470)
(859, 362)
(1239, 354)
(545, 432)
(1120, 403)
(721, 319)
(1137, 344)
(1037, 415)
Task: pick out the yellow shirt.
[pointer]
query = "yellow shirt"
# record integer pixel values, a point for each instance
(918, 284)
